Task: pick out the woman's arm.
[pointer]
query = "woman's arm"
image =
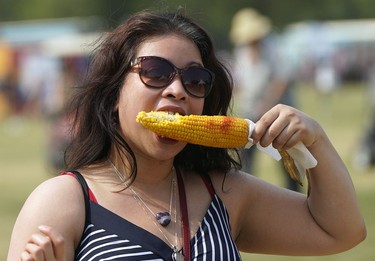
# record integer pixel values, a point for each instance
(274, 220)
(57, 203)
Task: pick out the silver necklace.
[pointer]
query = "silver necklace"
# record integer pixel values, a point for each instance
(177, 254)
(163, 217)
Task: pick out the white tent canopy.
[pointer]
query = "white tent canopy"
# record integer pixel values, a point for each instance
(71, 44)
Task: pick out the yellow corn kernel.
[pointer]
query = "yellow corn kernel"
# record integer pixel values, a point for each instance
(210, 131)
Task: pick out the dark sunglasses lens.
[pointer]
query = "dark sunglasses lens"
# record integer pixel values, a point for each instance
(197, 81)
(155, 72)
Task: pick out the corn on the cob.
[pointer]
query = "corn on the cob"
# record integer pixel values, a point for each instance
(211, 131)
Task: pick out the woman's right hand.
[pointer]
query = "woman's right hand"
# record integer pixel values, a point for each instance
(45, 245)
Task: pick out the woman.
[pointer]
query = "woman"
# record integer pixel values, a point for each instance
(134, 207)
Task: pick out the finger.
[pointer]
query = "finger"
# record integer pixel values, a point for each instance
(273, 131)
(262, 125)
(57, 239)
(293, 140)
(45, 243)
(25, 256)
(35, 251)
(287, 138)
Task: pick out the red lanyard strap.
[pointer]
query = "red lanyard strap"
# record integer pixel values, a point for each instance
(185, 216)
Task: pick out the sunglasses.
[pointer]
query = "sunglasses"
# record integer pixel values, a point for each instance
(157, 72)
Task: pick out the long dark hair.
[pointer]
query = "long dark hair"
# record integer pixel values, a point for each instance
(95, 130)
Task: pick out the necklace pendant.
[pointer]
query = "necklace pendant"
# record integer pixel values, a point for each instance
(177, 256)
(164, 218)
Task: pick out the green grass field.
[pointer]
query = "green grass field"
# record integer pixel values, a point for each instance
(344, 114)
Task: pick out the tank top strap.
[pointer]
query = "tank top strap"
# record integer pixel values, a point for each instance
(87, 193)
(207, 181)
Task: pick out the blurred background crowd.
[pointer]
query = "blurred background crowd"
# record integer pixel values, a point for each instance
(269, 45)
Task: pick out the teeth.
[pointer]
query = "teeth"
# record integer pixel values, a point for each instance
(171, 113)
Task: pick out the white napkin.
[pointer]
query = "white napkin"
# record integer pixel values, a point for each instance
(302, 157)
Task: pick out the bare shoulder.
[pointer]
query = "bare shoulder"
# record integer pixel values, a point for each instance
(236, 187)
(57, 202)
(61, 199)
(57, 192)
(245, 197)
(237, 182)
(245, 190)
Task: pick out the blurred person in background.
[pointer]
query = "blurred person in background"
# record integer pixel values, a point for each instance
(59, 119)
(364, 157)
(262, 76)
(326, 64)
(11, 99)
(5, 64)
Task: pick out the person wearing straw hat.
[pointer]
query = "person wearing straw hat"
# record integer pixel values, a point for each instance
(261, 77)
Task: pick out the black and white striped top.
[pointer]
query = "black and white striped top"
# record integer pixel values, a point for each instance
(107, 236)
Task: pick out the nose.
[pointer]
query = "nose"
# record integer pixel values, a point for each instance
(176, 89)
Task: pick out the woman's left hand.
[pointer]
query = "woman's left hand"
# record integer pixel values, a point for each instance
(284, 127)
